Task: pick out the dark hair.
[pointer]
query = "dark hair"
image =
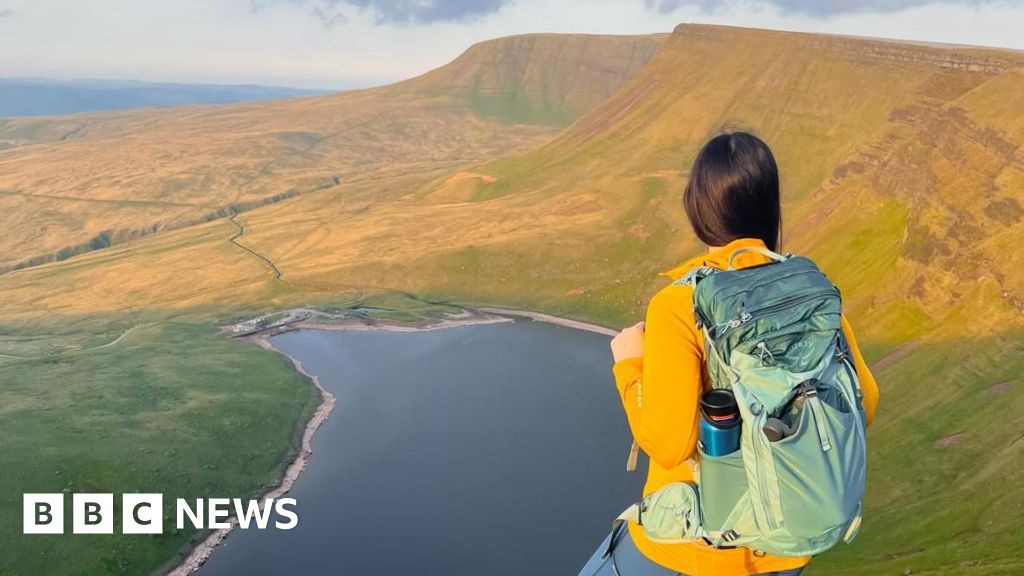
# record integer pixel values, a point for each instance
(733, 191)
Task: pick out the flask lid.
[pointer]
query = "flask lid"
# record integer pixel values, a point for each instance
(719, 407)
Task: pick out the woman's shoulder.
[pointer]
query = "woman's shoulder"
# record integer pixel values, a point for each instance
(676, 299)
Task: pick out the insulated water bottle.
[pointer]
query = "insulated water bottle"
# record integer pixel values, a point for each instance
(719, 423)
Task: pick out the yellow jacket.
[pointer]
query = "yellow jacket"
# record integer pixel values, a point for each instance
(661, 392)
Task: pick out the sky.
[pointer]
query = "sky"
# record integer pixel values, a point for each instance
(336, 44)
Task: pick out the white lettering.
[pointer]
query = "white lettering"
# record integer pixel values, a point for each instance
(281, 509)
(218, 508)
(196, 516)
(253, 511)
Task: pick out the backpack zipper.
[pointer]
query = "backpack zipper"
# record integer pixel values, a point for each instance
(742, 316)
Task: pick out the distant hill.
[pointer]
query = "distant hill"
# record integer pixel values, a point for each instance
(549, 79)
(43, 97)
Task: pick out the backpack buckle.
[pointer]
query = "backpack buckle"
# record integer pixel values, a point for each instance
(809, 388)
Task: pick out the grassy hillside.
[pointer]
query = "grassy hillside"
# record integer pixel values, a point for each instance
(549, 79)
(163, 170)
(73, 184)
(162, 410)
(903, 177)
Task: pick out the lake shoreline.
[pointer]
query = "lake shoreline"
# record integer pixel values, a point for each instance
(470, 316)
(200, 552)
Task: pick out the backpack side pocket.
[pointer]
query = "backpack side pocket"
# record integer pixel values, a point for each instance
(723, 481)
(672, 514)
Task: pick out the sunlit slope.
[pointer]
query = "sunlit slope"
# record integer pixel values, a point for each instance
(882, 147)
(815, 98)
(541, 78)
(94, 180)
(193, 166)
(926, 216)
(888, 152)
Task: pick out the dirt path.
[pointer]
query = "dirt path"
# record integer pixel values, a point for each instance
(241, 232)
(896, 354)
(113, 342)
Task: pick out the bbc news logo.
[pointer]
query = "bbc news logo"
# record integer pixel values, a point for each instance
(143, 513)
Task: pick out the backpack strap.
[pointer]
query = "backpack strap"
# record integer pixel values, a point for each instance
(692, 278)
(769, 253)
(845, 355)
(854, 527)
(695, 275)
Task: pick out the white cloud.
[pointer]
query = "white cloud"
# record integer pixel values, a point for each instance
(287, 42)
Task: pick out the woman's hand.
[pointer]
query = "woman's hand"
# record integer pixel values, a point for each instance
(629, 343)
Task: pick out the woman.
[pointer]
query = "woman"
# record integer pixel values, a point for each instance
(732, 202)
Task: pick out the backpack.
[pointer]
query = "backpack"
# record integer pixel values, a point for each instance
(772, 336)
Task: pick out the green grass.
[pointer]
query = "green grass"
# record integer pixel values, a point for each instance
(173, 409)
(519, 109)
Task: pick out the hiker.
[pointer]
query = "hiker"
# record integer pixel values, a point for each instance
(662, 368)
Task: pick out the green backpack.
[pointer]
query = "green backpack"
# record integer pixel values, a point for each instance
(772, 335)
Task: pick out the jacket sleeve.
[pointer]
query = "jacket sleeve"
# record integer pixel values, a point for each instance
(660, 392)
(868, 386)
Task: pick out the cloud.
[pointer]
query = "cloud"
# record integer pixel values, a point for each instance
(426, 11)
(332, 12)
(330, 17)
(818, 7)
(328, 12)
(6, 12)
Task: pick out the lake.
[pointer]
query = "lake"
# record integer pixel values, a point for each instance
(477, 450)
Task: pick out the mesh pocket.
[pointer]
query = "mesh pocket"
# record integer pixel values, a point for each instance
(723, 481)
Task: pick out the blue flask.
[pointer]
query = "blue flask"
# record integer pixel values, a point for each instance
(719, 423)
